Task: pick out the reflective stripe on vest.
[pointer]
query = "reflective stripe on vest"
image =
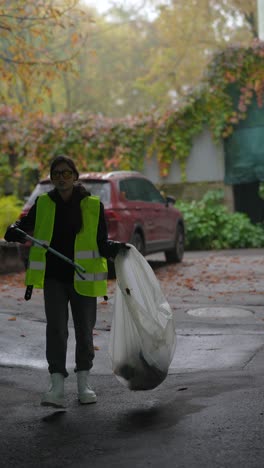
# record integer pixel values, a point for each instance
(90, 277)
(36, 265)
(87, 254)
(86, 251)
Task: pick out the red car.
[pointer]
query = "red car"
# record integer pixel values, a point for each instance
(135, 211)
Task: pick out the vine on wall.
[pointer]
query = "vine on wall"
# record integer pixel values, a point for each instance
(98, 143)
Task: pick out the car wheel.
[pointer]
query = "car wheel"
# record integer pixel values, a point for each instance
(138, 242)
(175, 255)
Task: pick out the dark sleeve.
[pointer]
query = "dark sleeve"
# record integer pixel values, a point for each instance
(107, 248)
(27, 224)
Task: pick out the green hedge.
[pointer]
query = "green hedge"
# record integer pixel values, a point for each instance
(10, 209)
(209, 225)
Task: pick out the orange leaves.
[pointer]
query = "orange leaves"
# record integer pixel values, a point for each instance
(5, 27)
(230, 77)
(39, 36)
(189, 283)
(93, 53)
(232, 278)
(74, 38)
(48, 90)
(235, 260)
(55, 13)
(212, 276)
(11, 280)
(258, 85)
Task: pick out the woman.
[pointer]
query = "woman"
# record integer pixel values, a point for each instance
(72, 222)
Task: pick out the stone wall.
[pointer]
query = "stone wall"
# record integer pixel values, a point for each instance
(190, 191)
(10, 259)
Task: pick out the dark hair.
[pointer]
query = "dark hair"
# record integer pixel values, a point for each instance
(64, 159)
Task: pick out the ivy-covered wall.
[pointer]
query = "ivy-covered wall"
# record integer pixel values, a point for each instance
(29, 142)
(204, 164)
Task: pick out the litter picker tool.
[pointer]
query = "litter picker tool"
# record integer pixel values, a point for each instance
(78, 268)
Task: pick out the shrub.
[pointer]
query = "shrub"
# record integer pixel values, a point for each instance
(10, 208)
(209, 225)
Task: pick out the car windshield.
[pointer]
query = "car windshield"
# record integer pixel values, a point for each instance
(96, 187)
(38, 190)
(99, 188)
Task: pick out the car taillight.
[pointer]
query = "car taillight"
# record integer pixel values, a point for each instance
(112, 215)
(23, 214)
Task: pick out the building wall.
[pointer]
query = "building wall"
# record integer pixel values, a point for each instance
(205, 170)
(205, 163)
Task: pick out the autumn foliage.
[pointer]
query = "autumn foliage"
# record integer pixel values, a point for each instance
(39, 40)
(29, 143)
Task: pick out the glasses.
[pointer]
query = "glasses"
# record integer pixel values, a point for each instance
(66, 174)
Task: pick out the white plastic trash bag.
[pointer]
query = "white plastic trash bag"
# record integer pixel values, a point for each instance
(142, 339)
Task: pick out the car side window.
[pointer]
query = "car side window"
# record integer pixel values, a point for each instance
(140, 189)
(151, 194)
(130, 188)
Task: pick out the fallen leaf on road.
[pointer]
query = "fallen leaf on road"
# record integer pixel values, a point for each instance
(235, 260)
(12, 280)
(96, 348)
(188, 283)
(12, 319)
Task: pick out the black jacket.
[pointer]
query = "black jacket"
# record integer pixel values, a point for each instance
(68, 222)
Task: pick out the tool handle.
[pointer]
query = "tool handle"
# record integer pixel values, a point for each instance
(78, 268)
(28, 293)
(79, 274)
(32, 239)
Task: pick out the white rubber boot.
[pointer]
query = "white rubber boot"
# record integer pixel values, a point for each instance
(55, 395)
(85, 393)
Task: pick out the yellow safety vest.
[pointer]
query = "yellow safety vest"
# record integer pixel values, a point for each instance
(86, 251)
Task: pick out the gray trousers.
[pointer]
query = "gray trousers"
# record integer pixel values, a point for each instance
(57, 296)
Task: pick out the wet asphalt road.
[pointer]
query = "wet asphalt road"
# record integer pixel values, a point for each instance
(207, 413)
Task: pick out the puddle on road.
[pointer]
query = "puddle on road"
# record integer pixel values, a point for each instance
(220, 312)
